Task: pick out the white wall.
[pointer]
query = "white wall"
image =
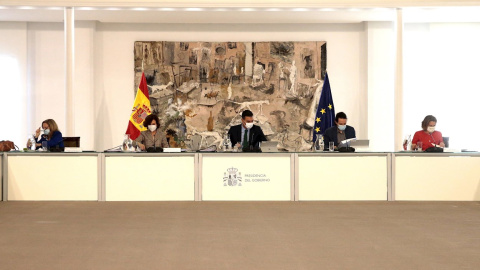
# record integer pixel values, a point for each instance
(46, 80)
(32, 72)
(104, 76)
(13, 77)
(84, 84)
(115, 76)
(441, 71)
(381, 68)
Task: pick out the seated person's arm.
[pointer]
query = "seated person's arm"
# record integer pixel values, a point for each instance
(139, 141)
(38, 144)
(441, 144)
(55, 140)
(260, 138)
(230, 135)
(414, 143)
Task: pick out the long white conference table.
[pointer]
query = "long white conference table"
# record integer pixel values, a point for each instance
(283, 176)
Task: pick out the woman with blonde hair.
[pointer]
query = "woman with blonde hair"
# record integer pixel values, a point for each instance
(51, 135)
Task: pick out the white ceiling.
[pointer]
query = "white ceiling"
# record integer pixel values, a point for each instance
(245, 3)
(240, 15)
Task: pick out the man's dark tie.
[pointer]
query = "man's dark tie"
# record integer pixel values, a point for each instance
(245, 139)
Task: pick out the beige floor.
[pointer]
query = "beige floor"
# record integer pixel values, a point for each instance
(239, 235)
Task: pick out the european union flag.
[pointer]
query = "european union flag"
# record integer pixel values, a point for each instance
(325, 116)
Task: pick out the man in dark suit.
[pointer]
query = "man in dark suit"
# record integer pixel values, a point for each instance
(247, 135)
(341, 131)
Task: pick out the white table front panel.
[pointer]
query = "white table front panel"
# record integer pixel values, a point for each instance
(449, 178)
(51, 178)
(246, 178)
(343, 178)
(130, 178)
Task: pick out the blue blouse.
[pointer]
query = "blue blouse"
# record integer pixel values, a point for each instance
(56, 140)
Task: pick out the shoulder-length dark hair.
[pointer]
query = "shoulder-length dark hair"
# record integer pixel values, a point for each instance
(52, 125)
(148, 120)
(427, 120)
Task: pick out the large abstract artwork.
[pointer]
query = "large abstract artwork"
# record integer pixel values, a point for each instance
(202, 87)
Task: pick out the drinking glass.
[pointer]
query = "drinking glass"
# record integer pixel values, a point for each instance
(331, 146)
(419, 146)
(44, 145)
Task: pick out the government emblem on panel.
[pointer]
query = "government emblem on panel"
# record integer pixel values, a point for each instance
(232, 177)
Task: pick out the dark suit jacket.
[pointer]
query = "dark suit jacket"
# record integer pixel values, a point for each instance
(56, 140)
(256, 135)
(330, 135)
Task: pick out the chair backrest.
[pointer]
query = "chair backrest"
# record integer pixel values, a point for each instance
(446, 141)
(71, 141)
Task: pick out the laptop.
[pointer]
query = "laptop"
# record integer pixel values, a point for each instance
(359, 143)
(269, 146)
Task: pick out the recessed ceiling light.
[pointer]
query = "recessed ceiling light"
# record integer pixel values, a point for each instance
(300, 9)
(140, 9)
(26, 7)
(86, 8)
(167, 9)
(382, 9)
(247, 9)
(326, 9)
(194, 9)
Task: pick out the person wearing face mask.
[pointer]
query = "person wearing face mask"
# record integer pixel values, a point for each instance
(50, 134)
(428, 135)
(246, 135)
(341, 131)
(151, 139)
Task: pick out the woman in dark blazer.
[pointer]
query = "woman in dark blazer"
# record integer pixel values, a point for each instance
(51, 135)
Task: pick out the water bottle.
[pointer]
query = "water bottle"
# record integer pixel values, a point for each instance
(127, 143)
(407, 142)
(32, 142)
(229, 144)
(318, 144)
(322, 144)
(226, 142)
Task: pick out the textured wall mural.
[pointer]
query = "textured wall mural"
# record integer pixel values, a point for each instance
(202, 87)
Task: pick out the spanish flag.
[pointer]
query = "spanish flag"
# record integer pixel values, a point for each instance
(141, 108)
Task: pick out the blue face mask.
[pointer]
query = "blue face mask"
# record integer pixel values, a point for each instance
(342, 127)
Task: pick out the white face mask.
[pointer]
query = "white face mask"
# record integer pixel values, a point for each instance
(249, 125)
(431, 129)
(46, 131)
(342, 127)
(152, 128)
